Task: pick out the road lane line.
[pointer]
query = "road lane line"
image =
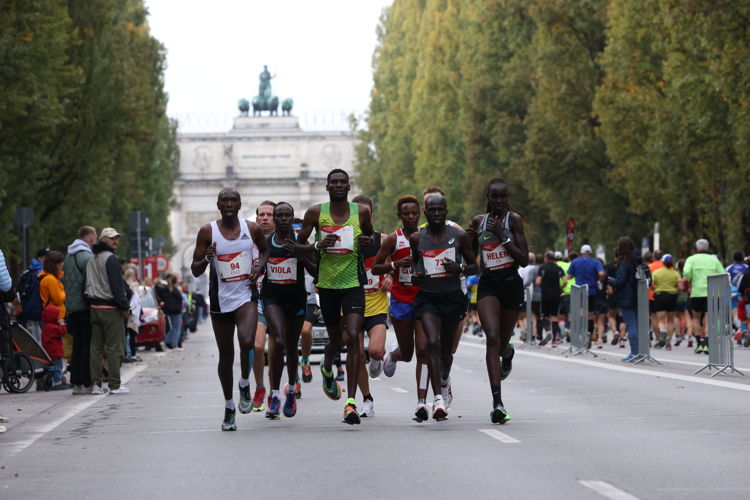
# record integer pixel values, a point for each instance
(33, 433)
(607, 490)
(399, 390)
(500, 436)
(629, 369)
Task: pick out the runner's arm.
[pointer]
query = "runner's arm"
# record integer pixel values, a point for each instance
(382, 263)
(201, 255)
(468, 254)
(260, 241)
(473, 233)
(416, 256)
(309, 224)
(518, 248)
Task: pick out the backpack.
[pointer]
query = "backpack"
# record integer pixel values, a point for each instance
(642, 272)
(31, 301)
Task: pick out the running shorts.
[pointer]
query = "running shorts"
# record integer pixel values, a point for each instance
(600, 306)
(565, 305)
(550, 305)
(292, 303)
(336, 302)
(401, 311)
(698, 305)
(536, 307)
(450, 307)
(228, 317)
(508, 289)
(311, 313)
(665, 301)
(374, 320)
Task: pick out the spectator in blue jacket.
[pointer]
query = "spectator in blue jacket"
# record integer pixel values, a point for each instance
(624, 289)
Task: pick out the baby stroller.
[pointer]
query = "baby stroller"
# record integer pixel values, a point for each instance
(27, 360)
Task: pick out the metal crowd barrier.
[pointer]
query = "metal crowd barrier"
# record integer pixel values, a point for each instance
(719, 325)
(580, 338)
(644, 340)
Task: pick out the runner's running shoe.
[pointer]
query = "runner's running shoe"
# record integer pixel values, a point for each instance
(446, 392)
(306, 372)
(499, 415)
(546, 339)
(290, 403)
(246, 404)
(297, 389)
(375, 367)
(351, 416)
(629, 358)
(389, 364)
(330, 387)
(615, 338)
(368, 409)
(260, 394)
(228, 424)
(340, 375)
(668, 347)
(439, 412)
(274, 404)
(698, 349)
(421, 414)
(506, 364)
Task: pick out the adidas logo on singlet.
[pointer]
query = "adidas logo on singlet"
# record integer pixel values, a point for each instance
(245, 237)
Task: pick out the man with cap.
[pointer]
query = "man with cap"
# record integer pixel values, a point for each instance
(106, 293)
(588, 271)
(698, 267)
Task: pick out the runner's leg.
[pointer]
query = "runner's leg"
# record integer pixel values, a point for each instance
(274, 314)
(405, 336)
(432, 328)
(224, 333)
(246, 319)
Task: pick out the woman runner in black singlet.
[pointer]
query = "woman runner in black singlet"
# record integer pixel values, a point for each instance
(499, 238)
(284, 300)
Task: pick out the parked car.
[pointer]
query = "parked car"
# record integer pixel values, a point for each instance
(153, 322)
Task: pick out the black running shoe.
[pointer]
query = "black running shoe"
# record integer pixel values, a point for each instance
(421, 414)
(228, 423)
(246, 402)
(506, 364)
(499, 415)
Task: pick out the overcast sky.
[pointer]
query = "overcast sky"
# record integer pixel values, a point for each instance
(320, 51)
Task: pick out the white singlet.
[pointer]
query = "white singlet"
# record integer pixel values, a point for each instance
(230, 270)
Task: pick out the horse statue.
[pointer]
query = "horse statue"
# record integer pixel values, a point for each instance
(286, 107)
(244, 106)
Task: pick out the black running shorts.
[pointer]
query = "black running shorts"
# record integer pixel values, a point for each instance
(375, 320)
(450, 307)
(507, 288)
(665, 301)
(337, 302)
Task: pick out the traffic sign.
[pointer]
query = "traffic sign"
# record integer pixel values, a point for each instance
(23, 218)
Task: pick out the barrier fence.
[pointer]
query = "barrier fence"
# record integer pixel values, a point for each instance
(719, 326)
(644, 339)
(530, 340)
(580, 338)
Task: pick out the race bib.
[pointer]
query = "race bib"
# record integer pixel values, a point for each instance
(234, 266)
(404, 275)
(495, 256)
(345, 243)
(434, 259)
(373, 282)
(282, 270)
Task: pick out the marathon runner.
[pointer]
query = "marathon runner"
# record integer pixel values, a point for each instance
(284, 300)
(438, 252)
(264, 219)
(395, 256)
(306, 336)
(376, 311)
(500, 238)
(226, 246)
(341, 227)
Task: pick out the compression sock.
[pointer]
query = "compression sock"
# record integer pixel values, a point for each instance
(244, 382)
(251, 356)
(304, 360)
(555, 330)
(591, 326)
(260, 385)
(229, 404)
(275, 394)
(496, 399)
(367, 397)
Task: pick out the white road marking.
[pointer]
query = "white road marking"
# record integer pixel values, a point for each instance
(33, 433)
(500, 436)
(399, 390)
(629, 369)
(607, 490)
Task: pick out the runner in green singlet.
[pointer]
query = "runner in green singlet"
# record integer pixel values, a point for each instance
(340, 227)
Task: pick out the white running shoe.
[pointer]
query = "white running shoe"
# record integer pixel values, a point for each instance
(447, 393)
(368, 409)
(120, 390)
(98, 390)
(389, 365)
(375, 367)
(439, 412)
(421, 414)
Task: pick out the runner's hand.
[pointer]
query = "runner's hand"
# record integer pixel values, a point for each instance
(451, 266)
(386, 284)
(291, 246)
(211, 252)
(256, 273)
(405, 262)
(416, 277)
(327, 242)
(471, 232)
(364, 240)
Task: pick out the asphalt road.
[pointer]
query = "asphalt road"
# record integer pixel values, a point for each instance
(582, 427)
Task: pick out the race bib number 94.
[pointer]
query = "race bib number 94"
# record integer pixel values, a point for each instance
(434, 261)
(345, 242)
(234, 266)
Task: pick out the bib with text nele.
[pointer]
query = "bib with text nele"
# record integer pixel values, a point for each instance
(234, 266)
(282, 270)
(433, 261)
(495, 256)
(345, 243)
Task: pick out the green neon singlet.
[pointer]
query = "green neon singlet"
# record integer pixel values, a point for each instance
(339, 266)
